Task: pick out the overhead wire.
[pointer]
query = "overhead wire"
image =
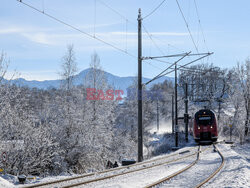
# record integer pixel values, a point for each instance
(159, 75)
(178, 68)
(160, 60)
(195, 69)
(198, 15)
(94, 16)
(115, 11)
(154, 37)
(148, 62)
(144, 28)
(123, 17)
(191, 36)
(43, 5)
(127, 20)
(189, 69)
(126, 43)
(77, 29)
(131, 22)
(183, 66)
(154, 9)
(150, 36)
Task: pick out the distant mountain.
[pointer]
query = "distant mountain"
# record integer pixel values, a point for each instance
(116, 81)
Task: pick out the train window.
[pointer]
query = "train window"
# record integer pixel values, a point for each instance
(204, 120)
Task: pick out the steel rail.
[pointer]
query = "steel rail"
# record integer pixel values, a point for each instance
(100, 172)
(174, 174)
(216, 171)
(123, 173)
(189, 166)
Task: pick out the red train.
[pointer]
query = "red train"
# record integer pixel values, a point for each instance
(205, 126)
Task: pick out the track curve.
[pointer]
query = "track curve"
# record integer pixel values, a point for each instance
(161, 181)
(67, 180)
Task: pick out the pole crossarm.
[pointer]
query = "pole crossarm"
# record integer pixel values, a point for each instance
(159, 75)
(183, 66)
(175, 55)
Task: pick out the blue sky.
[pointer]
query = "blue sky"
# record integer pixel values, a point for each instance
(35, 44)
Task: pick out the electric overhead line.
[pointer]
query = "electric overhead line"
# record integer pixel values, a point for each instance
(153, 65)
(146, 31)
(187, 26)
(159, 75)
(175, 55)
(144, 28)
(94, 16)
(100, 40)
(188, 69)
(154, 9)
(123, 17)
(117, 12)
(183, 66)
(180, 67)
(159, 60)
(150, 36)
(77, 29)
(204, 40)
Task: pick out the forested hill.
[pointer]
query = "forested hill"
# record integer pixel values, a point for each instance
(115, 81)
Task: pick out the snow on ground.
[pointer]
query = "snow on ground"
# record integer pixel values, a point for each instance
(7, 180)
(119, 179)
(164, 127)
(208, 162)
(236, 171)
(144, 177)
(5, 184)
(243, 150)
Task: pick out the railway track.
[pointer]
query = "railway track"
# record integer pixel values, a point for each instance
(70, 182)
(161, 181)
(216, 171)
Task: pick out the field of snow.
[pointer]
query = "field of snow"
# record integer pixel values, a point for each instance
(235, 173)
(4, 183)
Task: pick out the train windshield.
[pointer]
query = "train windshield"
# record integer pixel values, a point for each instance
(204, 120)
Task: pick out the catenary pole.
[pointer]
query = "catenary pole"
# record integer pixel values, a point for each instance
(176, 113)
(140, 130)
(157, 115)
(172, 114)
(186, 116)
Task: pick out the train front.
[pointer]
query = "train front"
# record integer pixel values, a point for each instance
(205, 126)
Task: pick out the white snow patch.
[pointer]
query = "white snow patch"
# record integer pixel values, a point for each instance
(164, 127)
(236, 171)
(4, 183)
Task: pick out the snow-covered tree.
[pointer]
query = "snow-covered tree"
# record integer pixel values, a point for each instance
(242, 84)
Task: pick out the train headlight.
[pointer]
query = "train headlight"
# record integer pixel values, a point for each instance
(199, 127)
(211, 127)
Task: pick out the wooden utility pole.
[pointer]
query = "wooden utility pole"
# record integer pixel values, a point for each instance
(140, 138)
